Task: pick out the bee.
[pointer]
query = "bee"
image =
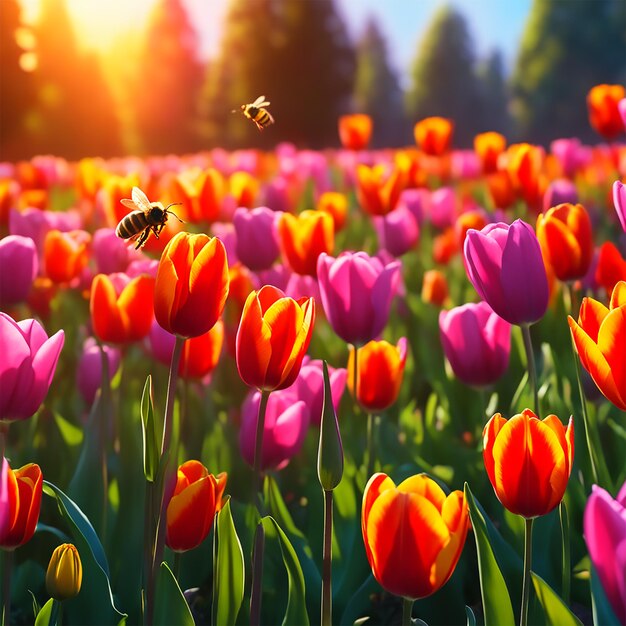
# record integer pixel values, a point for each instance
(145, 217)
(257, 113)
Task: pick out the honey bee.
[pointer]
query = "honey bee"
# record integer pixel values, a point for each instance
(257, 113)
(145, 217)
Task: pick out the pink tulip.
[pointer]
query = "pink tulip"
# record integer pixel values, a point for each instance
(309, 387)
(111, 253)
(466, 164)
(417, 201)
(621, 107)
(286, 424)
(619, 200)
(19, 263)
(226, 233)
(560, 191)
(278, 275)
(398, 231)
(29, 359)
(35, 223)
(256, 233)
(5, 519)
(89, 371)
(569, 154)
(476, 342)
(442, 207)
(356, 292)
(505, 265)
(143, 266)
(276, 194)
(605, 534)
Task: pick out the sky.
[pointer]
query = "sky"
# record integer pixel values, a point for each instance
(492, 23)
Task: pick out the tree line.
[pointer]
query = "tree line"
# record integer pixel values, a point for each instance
(165, 99)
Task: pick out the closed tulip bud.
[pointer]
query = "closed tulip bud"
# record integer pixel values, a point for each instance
(330, 450)
(191, 285)
(244, 188)
(604, 114)
(378, 188)
(256, 237)
(20, 254)
(196, 499)
(65, 573)
(65, 254)
(489, 146)
(569, 154)
(559, 191)
(565, 237)
(505, 265)
(433, 135)
(379, 372)
(600, 339)
(611, 267)
(89, 370)
(413, 533)
(335, 204)
(528, 461)
(476, 342)
(442, 207)
(434, 287)
(111, 253)
(355, 131)
(23, 490)
(273, 336)
(619, 200)
(397, 231)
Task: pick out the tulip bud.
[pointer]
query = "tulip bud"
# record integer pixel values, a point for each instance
(65, 573)
(330, 452)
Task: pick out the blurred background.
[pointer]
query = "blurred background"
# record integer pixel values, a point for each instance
(86, 78)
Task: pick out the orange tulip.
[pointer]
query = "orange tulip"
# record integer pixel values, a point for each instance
(336, 204)
(528, 461)
(191, 284)
(244, 188)
(445, 246)
(303, 238)
(476, 219)
(24, 501)
(564, 233)
(378, 189)
(65, 254)
(413, 533)
(201, 354)
(379, 373)
(489, 146)
(273, 337)
(121, 309)
(525, 166)
(433, 135)
(501, 189)
(197, 498)
(355, 131)
(604, 116)
(600, 338)
(201, 192)
(114, 189)
(611, 266)
(434, 287)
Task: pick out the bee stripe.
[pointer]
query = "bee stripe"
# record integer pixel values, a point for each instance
(131, 225)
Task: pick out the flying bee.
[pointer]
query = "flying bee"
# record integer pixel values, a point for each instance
(145, 217)
(257, 113)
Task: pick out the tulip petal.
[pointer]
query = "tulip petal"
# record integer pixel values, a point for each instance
(253, 343)
(612, 344)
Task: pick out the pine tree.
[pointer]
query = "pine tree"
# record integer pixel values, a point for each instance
(566, 48)
(377, 91)
(298, 55)
(169, 76)
(443, 77)
(494, 94)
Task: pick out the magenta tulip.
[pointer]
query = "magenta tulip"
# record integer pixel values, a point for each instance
(397, 231)
(257, 237)
(442, 207)
(309, 387)
(621, 107)
(29, 359)
(605, 535)
(569, 153)
(111, 253)
(286, 424)
(560, 191)
(20, 264)
(356, 292)
(89, 371)
(5, 517)
(35, 223)
(619, 200)
(505, 265)
(476, 342)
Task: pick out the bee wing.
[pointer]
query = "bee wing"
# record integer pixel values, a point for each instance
(141, 200)
(260, 102)
(129, 204)
(271, 118)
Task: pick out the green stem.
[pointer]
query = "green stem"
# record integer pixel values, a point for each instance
(54, 613)
(355, 376)
(528, 541)
(407, 610)
(165, 465)
(7, 562)
(257, 575)
(371, 444)
(327, 559)
(532, 370)
(258, 450)
(103, 425)
(148, 543)
(177, 561)
(565, 553)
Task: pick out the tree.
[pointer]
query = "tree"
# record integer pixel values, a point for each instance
(443, 77)
(377, 91)
(494, 94)
(566, 48)
(169, 76)
(298, 55)
(17, 94)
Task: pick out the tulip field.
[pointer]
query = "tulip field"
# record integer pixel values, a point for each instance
(347, 386)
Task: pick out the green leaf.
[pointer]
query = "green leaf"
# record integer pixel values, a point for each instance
(72, 434)
(471, 618)
(555, 609)
(330, 451)
(603, 614)
(149, 431)
(43, 617)
(229, 573)
(94, 604)
(170, 606)
(296, 602)
(495, 595)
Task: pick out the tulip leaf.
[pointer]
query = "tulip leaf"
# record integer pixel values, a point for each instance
(603, 614)
(44, 615)
(495, 595)
(555, 609)
(471, 618)
(72, 434)
(295, 612)
(229, 573)
(170, 606)
(149, 431)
